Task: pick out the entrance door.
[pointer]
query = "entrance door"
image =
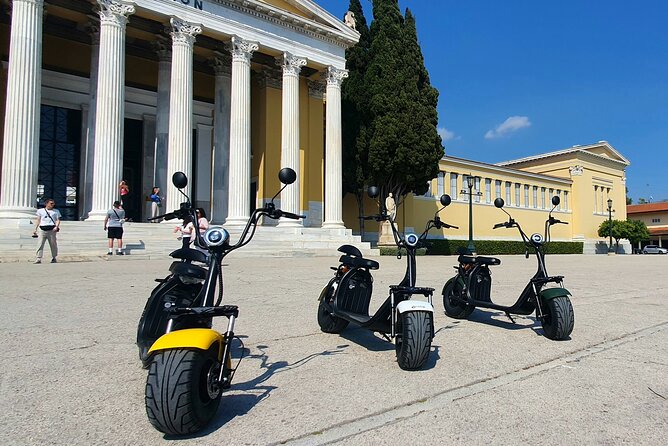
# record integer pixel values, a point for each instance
(59, 150)
(132, 168)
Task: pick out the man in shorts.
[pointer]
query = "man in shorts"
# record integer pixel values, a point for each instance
(113, 224)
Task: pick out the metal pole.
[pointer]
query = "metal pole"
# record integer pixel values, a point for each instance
(471, 247)
(610, 227)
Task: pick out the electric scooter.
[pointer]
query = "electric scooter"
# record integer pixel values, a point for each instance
(346, 297)
(471, 286)
(190, 362)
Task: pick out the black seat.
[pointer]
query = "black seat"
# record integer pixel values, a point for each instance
(350, 250)
(479, 260)
(188, 254)
(187, 269)
(366, 263)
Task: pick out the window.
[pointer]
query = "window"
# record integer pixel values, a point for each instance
(497, 187)
(526, 195)
(465, 187)
(565, 200)
(549, 197)
(595, 199)
(656, 220)
(535, 197)
(453, 185)
(517, 194)
(440, 187)
(477, 189)
(542, 198)
(488, 190)
(429, 186)
(508, 186)
(559, 195)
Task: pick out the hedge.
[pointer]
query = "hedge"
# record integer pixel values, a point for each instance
(488, 247)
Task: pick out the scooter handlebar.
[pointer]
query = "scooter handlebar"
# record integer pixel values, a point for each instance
(289, 215)
(500, 225)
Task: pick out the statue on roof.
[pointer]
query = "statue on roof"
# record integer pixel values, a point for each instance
(349, 20)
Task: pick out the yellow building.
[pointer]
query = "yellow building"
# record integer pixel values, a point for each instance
(583, 177)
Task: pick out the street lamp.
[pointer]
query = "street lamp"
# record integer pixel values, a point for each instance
(610, 250)
(470, 182)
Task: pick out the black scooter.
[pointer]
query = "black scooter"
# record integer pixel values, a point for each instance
(471, 286)
(346, 297)
(189, 362)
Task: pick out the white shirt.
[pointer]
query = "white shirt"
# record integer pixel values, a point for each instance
(44, 219)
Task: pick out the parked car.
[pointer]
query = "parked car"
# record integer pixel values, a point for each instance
(654, 249)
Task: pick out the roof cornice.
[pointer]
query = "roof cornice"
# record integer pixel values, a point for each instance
(506, 170)
(575, 150)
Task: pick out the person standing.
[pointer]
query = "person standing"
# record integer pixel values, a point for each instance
(156, 203)
(48, 223)
(113, 224)
(124, 191)
(202, 226)
(187, 231)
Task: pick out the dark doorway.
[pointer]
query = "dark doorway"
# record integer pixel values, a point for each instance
(132, 162)
(59, 149)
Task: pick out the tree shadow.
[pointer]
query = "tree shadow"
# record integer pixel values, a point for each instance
(255, 391)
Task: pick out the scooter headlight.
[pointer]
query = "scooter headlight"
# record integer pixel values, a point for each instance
(216, 236)
(537, 238)
(411, 240)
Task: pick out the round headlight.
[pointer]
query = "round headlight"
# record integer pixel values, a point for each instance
(216, 236)
(537, 238)
(411, 239)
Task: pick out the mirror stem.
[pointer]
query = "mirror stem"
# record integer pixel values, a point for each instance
(281, 190)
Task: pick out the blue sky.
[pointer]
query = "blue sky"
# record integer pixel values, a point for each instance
(522, 77)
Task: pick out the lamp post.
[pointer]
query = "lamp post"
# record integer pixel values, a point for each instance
(610, 250)
(470, 182)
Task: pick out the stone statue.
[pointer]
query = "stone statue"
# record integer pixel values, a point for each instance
(391, 207)
(349, 20)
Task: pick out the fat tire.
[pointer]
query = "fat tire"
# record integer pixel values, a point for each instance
(177, 400)
(558, 318)
(453, 309)
(414, 344)
(328, 322)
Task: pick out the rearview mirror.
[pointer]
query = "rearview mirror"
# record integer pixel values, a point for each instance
(555, 201)
(372, 191)
(446, 200)
(180, 180)
(287, 176)
(499, 202)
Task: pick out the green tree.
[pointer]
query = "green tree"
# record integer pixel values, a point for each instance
(637, 232)
(620, 230)
(404, 146)
(642, 201)
(629, 200)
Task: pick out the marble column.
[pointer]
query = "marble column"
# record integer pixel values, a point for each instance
(160, 177)
(179, 156)
(110, 107)
(333, 150)
(291, 66)
(87, 162)
(240, 132)
(20, 158)
(222, 67)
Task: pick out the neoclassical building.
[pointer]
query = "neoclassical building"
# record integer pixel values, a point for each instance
(227, 91)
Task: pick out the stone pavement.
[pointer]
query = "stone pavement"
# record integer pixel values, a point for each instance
(69, 373)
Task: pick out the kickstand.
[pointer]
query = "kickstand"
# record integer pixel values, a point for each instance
(510, 317)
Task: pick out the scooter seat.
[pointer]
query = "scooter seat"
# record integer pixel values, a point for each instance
(350, 250)
(358, 262)
(188, 254)
(479, 260)
(187, 269)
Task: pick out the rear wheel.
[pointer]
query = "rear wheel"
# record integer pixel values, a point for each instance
(558, 318)
(413, 342)
(181, 391)
(328, 322)
(452, 296)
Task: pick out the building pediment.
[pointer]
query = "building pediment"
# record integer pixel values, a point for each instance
(602, 151)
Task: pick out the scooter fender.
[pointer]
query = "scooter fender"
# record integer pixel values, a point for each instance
(414, 305)
(551, 293)
(199, 338)
(452, 280)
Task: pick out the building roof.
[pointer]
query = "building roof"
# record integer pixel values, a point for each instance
(506, 170)
(661, 206)
(658, 230)
(614, 155)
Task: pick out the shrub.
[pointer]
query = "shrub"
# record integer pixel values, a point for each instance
(497, 247)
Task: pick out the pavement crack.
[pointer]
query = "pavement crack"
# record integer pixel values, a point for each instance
(353, 427)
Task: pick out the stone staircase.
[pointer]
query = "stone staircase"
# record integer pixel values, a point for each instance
(86, 241)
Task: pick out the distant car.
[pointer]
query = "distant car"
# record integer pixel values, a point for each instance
(654, 249)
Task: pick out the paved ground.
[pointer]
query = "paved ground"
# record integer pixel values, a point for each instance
(69, 372)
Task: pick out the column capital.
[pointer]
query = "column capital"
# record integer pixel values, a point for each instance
(35, 2)
(184, 32)
(115, 12)
(221, 63)
(93, 29)
(162, 49)
(290, 63)
(335, 76)
(242, 49)
(269, 77)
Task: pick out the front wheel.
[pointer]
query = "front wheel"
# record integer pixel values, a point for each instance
(413, 343)
(328, 322)
(452, 296)
(558, 318)
(182, 393)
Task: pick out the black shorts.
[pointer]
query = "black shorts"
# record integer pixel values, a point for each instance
(116, 233)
